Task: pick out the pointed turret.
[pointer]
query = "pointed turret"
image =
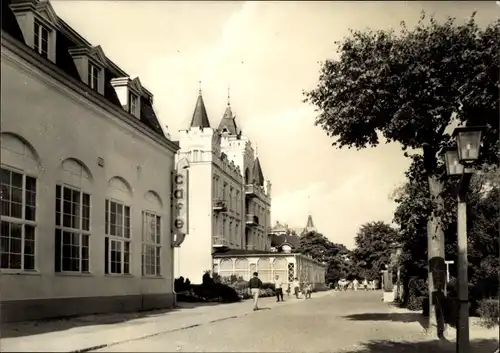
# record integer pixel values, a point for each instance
(257, 173)
(310, 225)
(228, 121)
(200, 117)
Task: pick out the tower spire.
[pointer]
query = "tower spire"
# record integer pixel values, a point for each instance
(256, 151)
(228, 96)
(200, 117)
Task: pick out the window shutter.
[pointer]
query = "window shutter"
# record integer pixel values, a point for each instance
(57, 252)
(106, 255)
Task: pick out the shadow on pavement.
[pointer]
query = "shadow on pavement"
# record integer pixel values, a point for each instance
(394, 317)
(29, 328)
(436, 346)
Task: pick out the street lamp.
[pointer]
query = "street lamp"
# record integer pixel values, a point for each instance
(460, 161)
(398, 250)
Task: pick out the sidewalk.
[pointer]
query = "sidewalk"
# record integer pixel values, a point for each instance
(88, 333)
(476, 331)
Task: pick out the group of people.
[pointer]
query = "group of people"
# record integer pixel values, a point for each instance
(255, 284)
(344, 284)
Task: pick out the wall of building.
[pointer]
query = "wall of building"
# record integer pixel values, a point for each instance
(195, 254)
(227, 185)
(47, 125)
(286, 266)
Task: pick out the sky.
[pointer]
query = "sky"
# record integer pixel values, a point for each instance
(267, 53)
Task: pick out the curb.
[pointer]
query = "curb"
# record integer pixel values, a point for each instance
(93, 348)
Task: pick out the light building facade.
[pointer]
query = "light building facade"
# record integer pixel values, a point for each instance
(85, 177)
(229, 199)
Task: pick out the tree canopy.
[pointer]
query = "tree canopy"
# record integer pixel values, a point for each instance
(322, 249)
(374, 248)
(413, 206)
(410, 86)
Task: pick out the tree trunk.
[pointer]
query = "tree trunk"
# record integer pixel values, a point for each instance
(437, 267)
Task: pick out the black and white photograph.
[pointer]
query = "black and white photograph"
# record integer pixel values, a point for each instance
(250, 176)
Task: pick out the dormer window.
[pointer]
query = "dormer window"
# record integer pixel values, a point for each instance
(38, 24)
(132, 103)
(93, 77)
(90, 63)
(41, 39)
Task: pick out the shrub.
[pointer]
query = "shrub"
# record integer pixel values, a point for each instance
(181, 285)
(240, 285)
(417, 291)
(267, 285)
(489, 311)
(207, 280)
(217, 278)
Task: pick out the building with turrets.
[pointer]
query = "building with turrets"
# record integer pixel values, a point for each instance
(229, 201)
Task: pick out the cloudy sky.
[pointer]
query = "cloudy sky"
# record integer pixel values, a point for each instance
(267, 53)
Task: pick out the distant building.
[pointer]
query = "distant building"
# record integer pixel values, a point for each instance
(286, 239)
(286, 261)
(85, 177)
(309, 226)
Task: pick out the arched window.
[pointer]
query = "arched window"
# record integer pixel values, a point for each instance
(280, 268)
(241, 267)
(18, 194)
(152, 235)
(73, 223)
(264, 269)
(226, 267)
(117, 227)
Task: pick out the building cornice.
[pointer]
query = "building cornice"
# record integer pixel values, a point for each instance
(76, 89)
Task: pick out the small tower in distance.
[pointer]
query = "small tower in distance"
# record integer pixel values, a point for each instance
(309, 226)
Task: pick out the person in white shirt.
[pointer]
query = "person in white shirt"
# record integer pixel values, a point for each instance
(365, 284)
(278, 288)
(355, 284)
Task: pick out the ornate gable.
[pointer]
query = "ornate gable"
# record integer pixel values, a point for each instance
(98, 54)
(45, 10)
(136, 84)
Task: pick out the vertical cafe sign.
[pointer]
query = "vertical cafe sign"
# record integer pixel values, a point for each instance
(180, 200)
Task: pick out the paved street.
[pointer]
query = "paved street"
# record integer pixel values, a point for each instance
(329, 322)
(336, 322)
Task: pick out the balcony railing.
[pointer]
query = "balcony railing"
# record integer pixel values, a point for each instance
(250, 190)
(250, 247)
(251, 220)
(220, 205)
(219, 242)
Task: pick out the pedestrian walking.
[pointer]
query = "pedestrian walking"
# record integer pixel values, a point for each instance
(255, 284)
(296, 287)
(307, 289)
(365, 284)
(355, 284)
(278, 288)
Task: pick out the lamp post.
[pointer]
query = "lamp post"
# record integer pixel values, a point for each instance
(398, 248)
(460, 161)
